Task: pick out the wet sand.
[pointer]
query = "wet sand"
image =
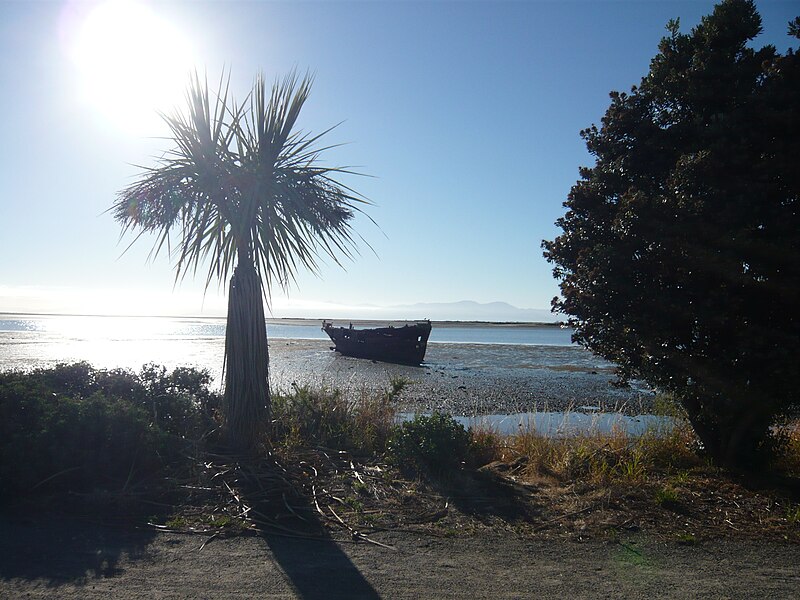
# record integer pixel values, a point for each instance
(468, 379)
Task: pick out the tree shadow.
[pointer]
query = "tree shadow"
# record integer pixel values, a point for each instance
(775, 484)
(487, 494)
(58, 549)
(313, 561)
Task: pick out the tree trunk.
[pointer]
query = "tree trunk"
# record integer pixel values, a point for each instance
(734, 438)
(246, 370)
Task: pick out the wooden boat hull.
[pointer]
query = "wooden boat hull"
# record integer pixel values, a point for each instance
(403, 345)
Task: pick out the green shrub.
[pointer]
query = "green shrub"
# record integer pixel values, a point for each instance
(397, 383)
(666, 496)
(74, 379)
(325, 417)
(310, 416)
(75, 428)
(180, 401)
(76, 443)
(434, 444)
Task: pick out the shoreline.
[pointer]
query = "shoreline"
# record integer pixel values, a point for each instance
(467, 379)
(300, 320)
(463, 379)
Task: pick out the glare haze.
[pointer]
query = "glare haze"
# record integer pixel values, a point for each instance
(464, 115)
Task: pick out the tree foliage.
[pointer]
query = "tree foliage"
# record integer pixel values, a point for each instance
(680, 253)
(248, 195)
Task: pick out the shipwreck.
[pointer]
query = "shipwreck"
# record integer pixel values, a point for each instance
(403, 345)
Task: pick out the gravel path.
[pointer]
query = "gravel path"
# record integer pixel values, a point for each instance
(49, 557)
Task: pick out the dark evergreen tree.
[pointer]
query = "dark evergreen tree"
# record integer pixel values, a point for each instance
(680, 253)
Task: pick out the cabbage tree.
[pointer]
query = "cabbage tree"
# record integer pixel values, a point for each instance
(243, 194)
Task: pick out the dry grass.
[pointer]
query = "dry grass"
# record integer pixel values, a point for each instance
(590, 486)
(327, 463)
(327, 418)
(788, 461)
(597, 457)
(327, 468)
(600, 484)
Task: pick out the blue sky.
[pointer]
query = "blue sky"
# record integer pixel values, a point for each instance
(466, 115)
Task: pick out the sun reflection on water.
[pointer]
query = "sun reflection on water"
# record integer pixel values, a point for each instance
(112, 342)
(109, 328)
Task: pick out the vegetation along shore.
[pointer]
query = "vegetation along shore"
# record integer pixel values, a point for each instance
(145, 451)
(677, 257)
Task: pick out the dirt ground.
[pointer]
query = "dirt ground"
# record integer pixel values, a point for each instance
(325, 526)
(59, 557)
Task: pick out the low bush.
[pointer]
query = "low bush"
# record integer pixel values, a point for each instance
(433, 444)
(667, 496)
(324, 417)
(73, 427)
(786, 460)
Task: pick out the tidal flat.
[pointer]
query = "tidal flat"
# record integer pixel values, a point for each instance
(463, 378)
(468, 379)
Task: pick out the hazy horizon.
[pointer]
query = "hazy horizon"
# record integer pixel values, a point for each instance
(460, 311)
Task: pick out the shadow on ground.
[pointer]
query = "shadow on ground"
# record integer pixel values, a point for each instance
(312, 561)
(488, 495)
(33, 547)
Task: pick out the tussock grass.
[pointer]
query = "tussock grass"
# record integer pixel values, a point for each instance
(487, 445)
(667, 496)
(597, 457)
(787, 460)
(325, 417)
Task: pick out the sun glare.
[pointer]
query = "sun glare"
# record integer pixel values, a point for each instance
(131, 63)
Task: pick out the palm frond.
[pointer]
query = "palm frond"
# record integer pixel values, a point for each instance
(242, 180)
(244, 192)
(190, 188)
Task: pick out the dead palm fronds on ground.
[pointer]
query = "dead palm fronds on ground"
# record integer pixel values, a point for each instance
(244, 193)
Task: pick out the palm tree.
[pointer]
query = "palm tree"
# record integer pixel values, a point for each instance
(247, 194)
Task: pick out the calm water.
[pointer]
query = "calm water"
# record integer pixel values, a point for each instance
(299, 349)
(133, 328)
(565, 423)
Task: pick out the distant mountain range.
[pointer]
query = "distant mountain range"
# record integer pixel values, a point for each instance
(465, 310)
(469, 310)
